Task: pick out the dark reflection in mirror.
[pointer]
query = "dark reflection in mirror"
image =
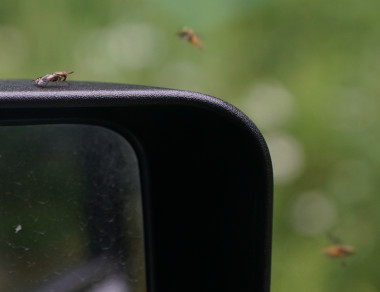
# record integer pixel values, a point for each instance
(70, 210)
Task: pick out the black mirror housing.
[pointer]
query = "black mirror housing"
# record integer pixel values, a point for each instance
(206, 176)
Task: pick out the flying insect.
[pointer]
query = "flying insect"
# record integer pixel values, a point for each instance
(191, 37)
(338, 250)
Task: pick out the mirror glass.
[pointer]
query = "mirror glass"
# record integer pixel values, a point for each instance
(70, 210)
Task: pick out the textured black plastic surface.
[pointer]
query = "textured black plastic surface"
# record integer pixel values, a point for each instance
(206, 176)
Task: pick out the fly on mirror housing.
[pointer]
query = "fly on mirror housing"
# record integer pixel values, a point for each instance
(70, 210)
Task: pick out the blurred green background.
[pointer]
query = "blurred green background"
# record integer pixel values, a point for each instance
(306, 72)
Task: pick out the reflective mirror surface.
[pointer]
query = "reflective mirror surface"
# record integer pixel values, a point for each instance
(70, 210)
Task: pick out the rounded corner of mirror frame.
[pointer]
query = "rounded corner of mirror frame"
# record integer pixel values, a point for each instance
(22, 95)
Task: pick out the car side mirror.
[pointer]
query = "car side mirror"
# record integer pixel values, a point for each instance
(142, 188)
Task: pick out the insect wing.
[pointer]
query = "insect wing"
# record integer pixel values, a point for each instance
(41, 81)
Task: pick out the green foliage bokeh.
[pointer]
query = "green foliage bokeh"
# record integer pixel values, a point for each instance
(305, 72)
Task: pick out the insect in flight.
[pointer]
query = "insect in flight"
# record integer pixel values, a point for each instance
(53, 77)
(338, 250)
(191, 37)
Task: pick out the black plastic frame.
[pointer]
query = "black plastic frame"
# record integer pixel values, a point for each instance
(206, 176)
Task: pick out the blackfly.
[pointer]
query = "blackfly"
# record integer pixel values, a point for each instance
(53, 77)
(191, 37)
